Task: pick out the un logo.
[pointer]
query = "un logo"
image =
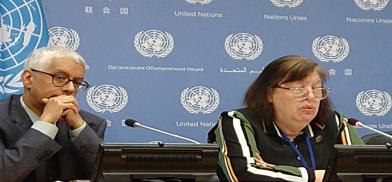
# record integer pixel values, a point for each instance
(60, 36)
(288, 3)
(374, 102)
(200, 99)
(198, 1)
(22, 30)
(375, 5)
(330, 48)
(243, 46)
(107, 98)
(154, 43)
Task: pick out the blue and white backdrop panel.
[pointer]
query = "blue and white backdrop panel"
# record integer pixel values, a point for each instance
(176, 64)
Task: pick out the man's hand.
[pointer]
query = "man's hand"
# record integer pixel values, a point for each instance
(55, 107)
(65, 106)
(73, 118)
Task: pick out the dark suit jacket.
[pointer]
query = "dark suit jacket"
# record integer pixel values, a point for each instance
(26, 154)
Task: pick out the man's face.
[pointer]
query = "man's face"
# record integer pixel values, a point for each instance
(39, 85)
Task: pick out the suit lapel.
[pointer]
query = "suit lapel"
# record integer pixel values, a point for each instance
(19, 115)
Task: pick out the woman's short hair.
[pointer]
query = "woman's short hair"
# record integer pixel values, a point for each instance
(42, 58)
(282, 70)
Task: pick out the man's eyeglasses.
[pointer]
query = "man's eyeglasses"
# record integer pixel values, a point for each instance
(59, 80)
(301, 93)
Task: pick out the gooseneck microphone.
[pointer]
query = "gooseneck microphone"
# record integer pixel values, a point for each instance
(358, 123)
(134, 123)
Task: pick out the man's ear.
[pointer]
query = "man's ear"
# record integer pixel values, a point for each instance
(27, 79)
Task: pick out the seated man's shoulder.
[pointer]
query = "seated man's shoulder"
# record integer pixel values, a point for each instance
(9, 105)
(6, 102)
(91, 119)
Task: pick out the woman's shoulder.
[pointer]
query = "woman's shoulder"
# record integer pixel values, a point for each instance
(335, 118)
(335, 121)
(241, 113)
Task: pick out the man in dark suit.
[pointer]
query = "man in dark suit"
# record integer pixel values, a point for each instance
(44, 136)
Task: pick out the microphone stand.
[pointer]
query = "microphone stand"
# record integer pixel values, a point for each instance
(377, 131)
(164, 132)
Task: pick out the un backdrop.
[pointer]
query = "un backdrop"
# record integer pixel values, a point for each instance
(176, 64)
(22, 29)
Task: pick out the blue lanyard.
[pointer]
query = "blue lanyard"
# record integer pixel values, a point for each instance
(299, 155)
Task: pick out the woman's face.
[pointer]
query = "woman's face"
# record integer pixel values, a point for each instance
(294, 107)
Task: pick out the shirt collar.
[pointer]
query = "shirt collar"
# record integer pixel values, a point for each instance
(308, 128)
(34, 117)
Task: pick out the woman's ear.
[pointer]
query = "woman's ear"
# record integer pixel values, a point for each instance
(270, 95)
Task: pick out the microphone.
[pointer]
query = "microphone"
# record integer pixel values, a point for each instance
(357, 124)
(134, 123)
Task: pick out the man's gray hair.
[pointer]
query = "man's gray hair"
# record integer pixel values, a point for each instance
(42, 58)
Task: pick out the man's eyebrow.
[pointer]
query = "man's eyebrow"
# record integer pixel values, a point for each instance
(67, 75)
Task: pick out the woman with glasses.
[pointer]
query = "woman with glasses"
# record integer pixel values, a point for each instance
(44, 135)
(287, 131)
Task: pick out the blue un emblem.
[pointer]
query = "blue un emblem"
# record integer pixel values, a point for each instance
(22, 30)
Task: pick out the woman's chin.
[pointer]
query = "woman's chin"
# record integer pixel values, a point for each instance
(308, 117)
